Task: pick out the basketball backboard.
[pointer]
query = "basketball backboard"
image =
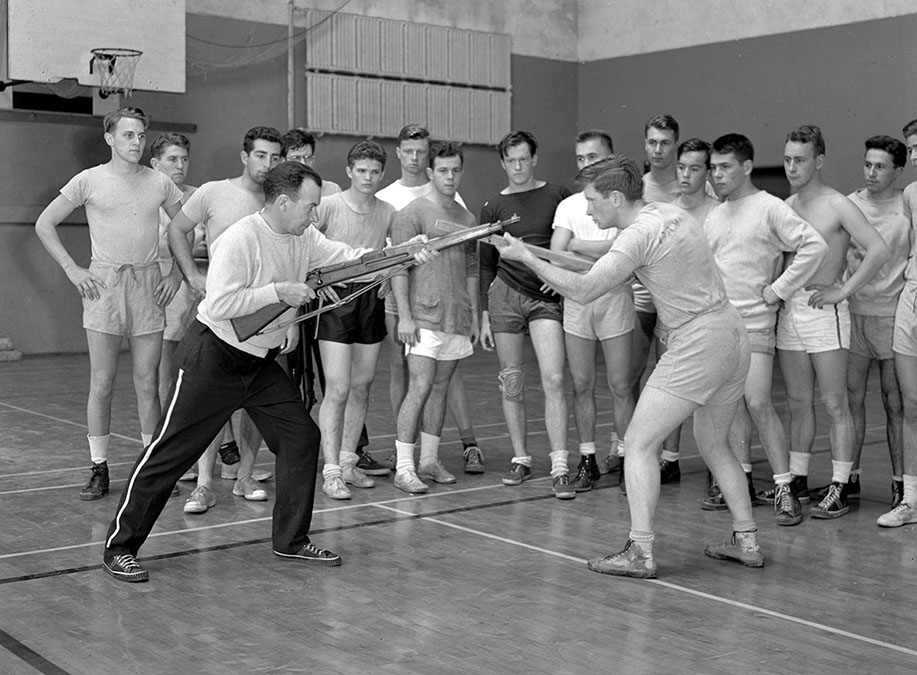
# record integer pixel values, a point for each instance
(53, 39)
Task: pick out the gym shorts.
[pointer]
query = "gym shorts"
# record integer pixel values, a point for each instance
(127, 305)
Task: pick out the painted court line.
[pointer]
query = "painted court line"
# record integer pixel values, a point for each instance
(671, 586)
(63, 421)
(265, 519)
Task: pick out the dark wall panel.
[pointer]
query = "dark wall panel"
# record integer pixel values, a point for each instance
(854, 81)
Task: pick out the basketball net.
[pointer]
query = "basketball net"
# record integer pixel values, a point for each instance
(115, 67)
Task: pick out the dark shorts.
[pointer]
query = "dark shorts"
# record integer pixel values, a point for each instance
(512, 312)
(361, 321)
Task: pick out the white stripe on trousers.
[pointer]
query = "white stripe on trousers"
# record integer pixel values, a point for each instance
(146, 457)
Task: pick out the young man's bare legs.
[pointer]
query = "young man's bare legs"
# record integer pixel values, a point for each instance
(456, 397)
(906, 511)
(422, 412)
(800, 371)
(656, 414)
(349, 372)
(104, 350)
(103, 368)
(581, 358)
(858, 367)
(548, 341)
(145, 354)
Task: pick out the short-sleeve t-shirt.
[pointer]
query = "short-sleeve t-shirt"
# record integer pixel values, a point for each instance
(122, 211)
(674, 261)
(653, 191)
(535, 209)
(571, 215)
(879, 295)
(219, 204)
(339, 222)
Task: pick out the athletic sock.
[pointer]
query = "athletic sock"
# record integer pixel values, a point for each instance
(429, 449)
(645, 538)
(840, 471)
(559, 465)
(405, 454)
(587, 449)
(98, 448)
(897, 478)
(331, 471)
(620, 448)
(744, 526)
(746, 467)
(670, 456)
(146, 439)
(615, 444)
(348, 459)
(910, 490)
(525, 460)
(783, 478)
(799, 463)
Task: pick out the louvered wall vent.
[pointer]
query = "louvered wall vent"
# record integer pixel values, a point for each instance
(370, 76)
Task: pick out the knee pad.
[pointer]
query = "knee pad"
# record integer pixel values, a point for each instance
(512, 382)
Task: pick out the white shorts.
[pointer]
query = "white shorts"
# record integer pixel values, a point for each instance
(801, 328)
(609, 316)
(440, 346)
(905, 340)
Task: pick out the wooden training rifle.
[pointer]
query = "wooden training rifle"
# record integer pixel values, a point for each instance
(401, 256)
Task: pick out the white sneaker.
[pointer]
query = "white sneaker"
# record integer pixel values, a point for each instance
(408, 481)
(902, 514)
(435, 472)
(355, 476)
(334, 487)
(201, 499)
(250, 489)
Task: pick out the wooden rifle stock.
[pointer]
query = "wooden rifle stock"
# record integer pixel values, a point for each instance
(248, 326)
(565, 259)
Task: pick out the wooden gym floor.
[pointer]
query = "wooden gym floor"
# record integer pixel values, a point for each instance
(470, 578)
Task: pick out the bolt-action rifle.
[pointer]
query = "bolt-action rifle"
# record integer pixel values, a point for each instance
(400, 257)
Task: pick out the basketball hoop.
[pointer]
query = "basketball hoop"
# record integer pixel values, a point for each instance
(116, 69)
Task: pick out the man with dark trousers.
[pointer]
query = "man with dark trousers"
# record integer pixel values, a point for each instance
(259, 261)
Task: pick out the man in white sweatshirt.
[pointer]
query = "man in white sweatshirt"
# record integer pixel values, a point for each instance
(259, 261)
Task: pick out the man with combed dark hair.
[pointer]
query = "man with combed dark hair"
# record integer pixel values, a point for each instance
(702, 372)
(694, 196)
(298, 145)
(872, 308)
(123, 290)
(170, 154)
(607, 321)
(216, 205)
(437, 319)
(750, 232)
(413, 152)
(813, 326)
(514, 303)
(351, 336)
(259, 261)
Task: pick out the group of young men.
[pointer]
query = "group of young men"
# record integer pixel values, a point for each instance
(689, 256)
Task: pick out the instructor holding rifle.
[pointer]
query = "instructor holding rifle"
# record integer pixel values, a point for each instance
(257, 262)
